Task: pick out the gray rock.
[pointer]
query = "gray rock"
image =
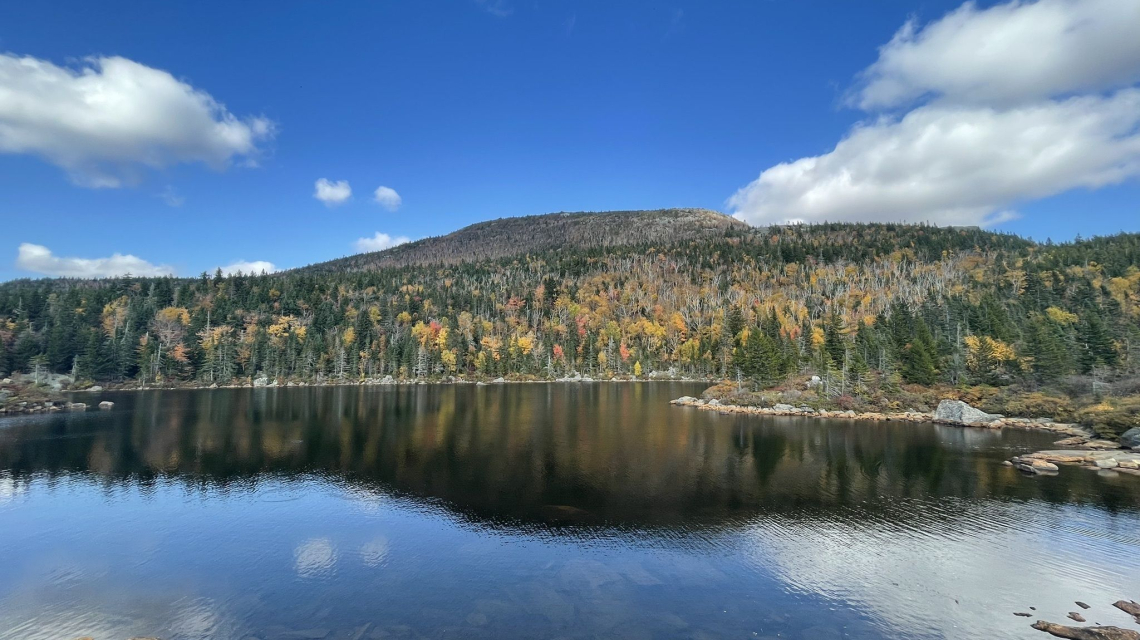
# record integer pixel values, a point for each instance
(499, 380)
(1107, 463)
(77, 406)
(783, 407)
(1131, 438)
(958, 412)
(106, 405)
(95, 388)
(261, 382)
(714, 403)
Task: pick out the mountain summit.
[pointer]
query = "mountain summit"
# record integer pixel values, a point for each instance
(507, 237)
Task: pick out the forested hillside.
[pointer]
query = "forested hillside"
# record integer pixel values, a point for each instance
(680, 290)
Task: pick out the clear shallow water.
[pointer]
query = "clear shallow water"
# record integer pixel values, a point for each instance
(537, 511)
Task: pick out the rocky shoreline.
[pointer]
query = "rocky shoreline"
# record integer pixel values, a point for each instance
(1081, 448)
(951, 412)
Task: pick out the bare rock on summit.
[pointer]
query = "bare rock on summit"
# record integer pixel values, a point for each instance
(958, 412)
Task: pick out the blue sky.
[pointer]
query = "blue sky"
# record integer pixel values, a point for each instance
(474, 110)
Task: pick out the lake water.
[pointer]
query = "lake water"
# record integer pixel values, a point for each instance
(537, 511)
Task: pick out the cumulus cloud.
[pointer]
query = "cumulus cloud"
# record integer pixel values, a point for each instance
(39, 259)
(1017, 102)
(1008, 53)
(950, 165)
(388, 198)
(379, 242)
(106, 118)
(248, 267)
(332, 193)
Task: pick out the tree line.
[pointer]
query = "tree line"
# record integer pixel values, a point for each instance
(918, 304)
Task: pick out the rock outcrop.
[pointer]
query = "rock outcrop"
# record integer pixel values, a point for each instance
(958, 412)
(1086, 633)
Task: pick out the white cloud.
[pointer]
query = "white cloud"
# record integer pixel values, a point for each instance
(110, 116)
(379, 242)
(387, 198)
(171, 197)
(497, 8)
(1009, 53)
(39, 259)
(952, 165)
(254, 267)
(1003, 121)
(332, 193)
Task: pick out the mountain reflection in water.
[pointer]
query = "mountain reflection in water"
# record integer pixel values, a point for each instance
(799, 526)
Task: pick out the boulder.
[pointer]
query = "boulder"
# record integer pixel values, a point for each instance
(261, 382)
(77, 406)
(95, 388)
(958, 412)
(783, 407)
(1131, 607)
(1099, 445)
(1131, 438)
(106, 405)
(1075, 441)
(1107, 463)
(714, 403)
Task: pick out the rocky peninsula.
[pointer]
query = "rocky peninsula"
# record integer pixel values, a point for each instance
(1081, 446)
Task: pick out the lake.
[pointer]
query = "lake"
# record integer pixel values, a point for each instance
(538, 511)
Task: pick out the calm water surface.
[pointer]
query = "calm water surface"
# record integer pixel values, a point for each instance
(537, 511)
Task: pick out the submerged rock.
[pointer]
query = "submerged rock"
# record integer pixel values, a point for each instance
(1073, 615)
(1130, 607)
(106, 404)
(958, 412)
(1086, 633)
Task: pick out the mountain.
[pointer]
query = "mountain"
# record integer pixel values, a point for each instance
(506, 237)
(876, 310)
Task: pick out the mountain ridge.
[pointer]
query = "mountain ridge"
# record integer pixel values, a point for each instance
(513, 236)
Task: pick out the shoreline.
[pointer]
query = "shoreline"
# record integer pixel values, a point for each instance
(1041, 424)
(29, 399)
